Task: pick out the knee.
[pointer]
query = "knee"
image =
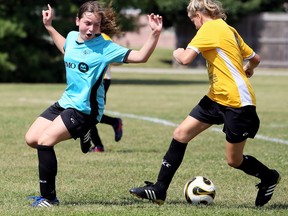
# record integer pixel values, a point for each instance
(30, 141)
(180, 135)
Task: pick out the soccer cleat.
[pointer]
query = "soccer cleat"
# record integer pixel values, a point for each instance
(85, 142)
(150, 192)
(266, 188)
(40, 201)
(118, 130)
(97, 149)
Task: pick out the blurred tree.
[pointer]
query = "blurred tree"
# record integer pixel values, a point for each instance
(176, 11)
(26, 55)
(175, 14)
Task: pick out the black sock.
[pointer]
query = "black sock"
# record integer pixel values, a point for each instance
(252, 166)
(95, 137)
(170, 163)
(108, 120)
(47, 171)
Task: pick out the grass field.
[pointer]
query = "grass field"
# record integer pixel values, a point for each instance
(98, 183)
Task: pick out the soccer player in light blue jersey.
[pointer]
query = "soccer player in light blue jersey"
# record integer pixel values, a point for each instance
(87, 56)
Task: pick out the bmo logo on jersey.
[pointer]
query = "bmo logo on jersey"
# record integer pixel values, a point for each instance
(82, 67)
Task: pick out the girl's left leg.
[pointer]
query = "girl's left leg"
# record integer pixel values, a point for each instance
(251, 166)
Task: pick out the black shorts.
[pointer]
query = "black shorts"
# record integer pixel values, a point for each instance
(239, 123)
(77, 123)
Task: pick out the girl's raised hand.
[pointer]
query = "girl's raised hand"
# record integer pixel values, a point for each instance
(47, 16)
(155, 22)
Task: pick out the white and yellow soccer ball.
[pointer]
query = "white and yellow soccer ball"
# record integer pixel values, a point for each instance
(199, 190)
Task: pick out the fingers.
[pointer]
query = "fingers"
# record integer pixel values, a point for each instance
(249, 73)
(153, 16)
(155, 21)
(47, 12)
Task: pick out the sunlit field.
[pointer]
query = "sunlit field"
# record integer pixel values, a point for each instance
(151, 106)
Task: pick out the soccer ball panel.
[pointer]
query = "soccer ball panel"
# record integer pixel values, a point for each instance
(199, 190)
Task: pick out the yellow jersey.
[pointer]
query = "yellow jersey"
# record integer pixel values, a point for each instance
(224, 51)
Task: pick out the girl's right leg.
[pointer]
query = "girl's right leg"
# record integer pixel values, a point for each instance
(43, 135)
(186, 131)
(47, 163)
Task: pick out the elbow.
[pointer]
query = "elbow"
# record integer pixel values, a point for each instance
(143, 60)
(182, 62)
(185, 62)
(256, 60)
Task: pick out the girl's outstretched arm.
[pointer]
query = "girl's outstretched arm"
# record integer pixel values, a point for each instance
(57, 38)
(142, 55)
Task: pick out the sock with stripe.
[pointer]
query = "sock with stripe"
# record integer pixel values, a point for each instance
(170, 163)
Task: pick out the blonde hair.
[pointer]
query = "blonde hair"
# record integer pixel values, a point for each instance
(107, 14)
(212, 8)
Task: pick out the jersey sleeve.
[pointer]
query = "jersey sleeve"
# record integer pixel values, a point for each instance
(70, 36)
(116, 53)
(246, 51)
(203, 40)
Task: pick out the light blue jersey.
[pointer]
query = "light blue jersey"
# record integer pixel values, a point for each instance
(86, 64)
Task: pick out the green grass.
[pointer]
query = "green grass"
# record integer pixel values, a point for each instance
(98, 184)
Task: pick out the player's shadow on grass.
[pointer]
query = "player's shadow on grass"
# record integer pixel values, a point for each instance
(128, 201)
(125, 201)
(135, 150)
(157, 82)
(278, 206)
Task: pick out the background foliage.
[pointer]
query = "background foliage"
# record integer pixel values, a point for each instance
(27, 54)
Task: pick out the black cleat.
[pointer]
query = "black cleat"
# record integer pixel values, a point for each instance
(85, 142)
(266, 188)
(150, 192)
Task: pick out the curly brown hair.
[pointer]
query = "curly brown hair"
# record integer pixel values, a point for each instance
(107, 14)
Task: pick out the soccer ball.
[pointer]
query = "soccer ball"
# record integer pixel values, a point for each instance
(199, 190)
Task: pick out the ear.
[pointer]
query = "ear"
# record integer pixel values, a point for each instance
(198, 14)
(77, 21)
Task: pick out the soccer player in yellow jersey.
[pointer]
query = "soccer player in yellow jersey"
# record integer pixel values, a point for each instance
(116, 123)
(230, 101)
